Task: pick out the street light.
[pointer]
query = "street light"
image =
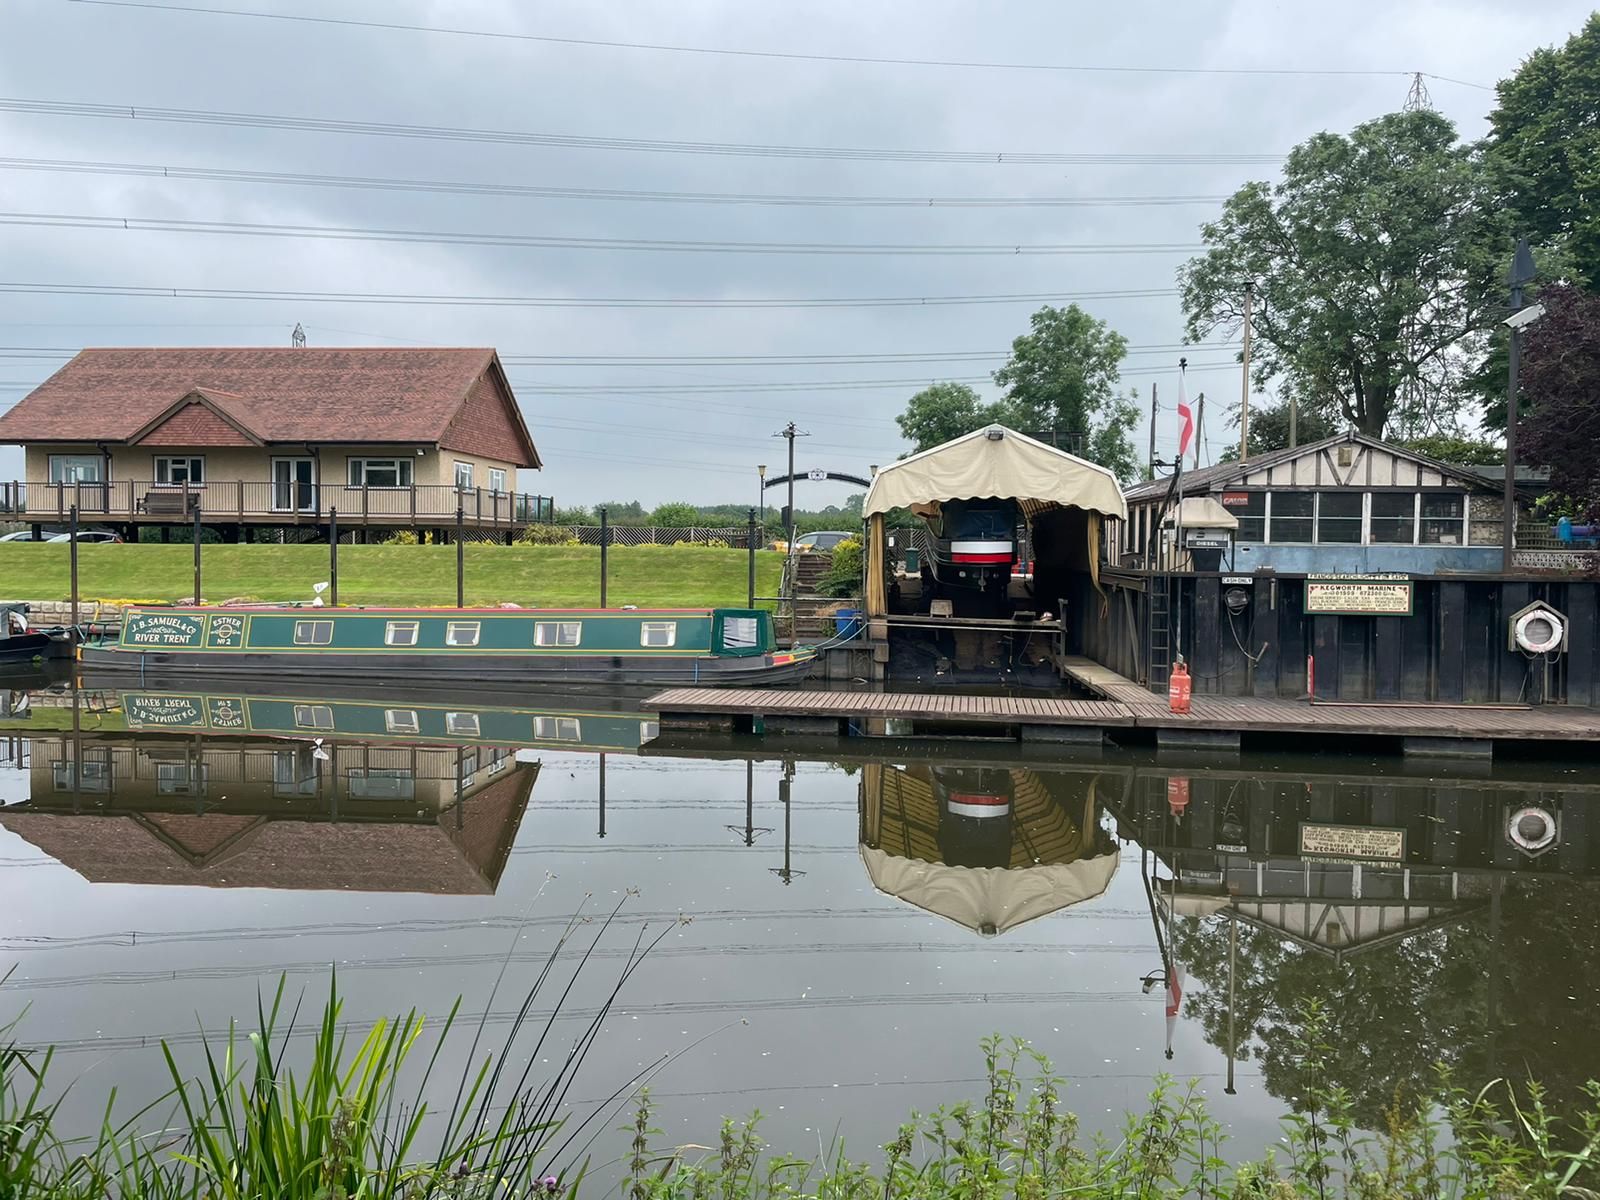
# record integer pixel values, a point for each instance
(1522, 274)
(761, 471)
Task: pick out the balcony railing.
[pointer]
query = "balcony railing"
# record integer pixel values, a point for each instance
(135, 501)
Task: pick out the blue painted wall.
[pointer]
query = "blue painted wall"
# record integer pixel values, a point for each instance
(1365, 560)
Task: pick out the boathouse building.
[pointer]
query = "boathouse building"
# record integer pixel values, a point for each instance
(249, 438)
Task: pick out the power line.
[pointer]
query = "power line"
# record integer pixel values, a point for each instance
(687, 302)
(792, 55)
(543, 242)
(565, 141)
(467, 188)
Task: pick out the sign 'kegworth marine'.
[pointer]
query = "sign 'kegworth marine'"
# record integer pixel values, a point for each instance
(1362, 596)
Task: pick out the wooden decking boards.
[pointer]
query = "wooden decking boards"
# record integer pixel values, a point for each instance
(1127, 705)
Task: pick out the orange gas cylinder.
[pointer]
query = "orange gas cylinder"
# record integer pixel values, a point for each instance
(1177, 794)
(1178, 689)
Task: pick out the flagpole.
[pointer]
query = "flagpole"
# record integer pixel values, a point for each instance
(1177, 516)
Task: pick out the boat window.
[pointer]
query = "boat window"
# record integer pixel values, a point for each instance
(462, 633)
(180, 779)
(381, 783)
(557, 729)
(401, 633)
(649, 731)
(741, 633)
(658, 633)
(400, 720)
(557, 633)
(313, 716)
(463, 723)
(313, 633)
(93, 775)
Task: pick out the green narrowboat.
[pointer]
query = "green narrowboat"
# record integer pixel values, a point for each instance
(509, 646)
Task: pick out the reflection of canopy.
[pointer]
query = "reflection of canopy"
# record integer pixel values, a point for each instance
(1202, 512)
(1010, 467)
(988, 899)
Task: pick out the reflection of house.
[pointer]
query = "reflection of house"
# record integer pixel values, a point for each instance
(268, 436)
(1347, 504)
(987, 848)
(276, 815)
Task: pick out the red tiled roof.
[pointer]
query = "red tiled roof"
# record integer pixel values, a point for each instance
(284, 394)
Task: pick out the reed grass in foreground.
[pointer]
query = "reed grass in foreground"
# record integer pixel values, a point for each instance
(250, 1127)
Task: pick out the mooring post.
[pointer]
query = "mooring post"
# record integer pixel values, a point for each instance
(750, 535)
(602, 795)
(196, 553)
(461, 560)
(605, 537)
(333, 557)
(72, 558)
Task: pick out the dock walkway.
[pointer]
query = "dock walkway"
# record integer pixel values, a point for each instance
(1124, 705)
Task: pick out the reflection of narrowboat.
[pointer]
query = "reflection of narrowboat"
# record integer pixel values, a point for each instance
(609, 646)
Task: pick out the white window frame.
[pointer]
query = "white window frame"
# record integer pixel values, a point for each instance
(65, 468)
(164, 464)
(497, 479)
(393, 629)
(402, 783)
(356, 472)
(463, 469)
(462, 724)
(313, 716)
(191, 783)
(649, 731)
(312, 629)
(557, 729)
(453, 629)
(565, 633)
(646, 628)
(401, 720)
(1416, 518)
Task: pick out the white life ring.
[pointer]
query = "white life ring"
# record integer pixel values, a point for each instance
(1532, 828)
(1540, 631)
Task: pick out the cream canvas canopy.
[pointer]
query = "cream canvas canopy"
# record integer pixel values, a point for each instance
(988, 900)
(1201, 512)
(996, 461)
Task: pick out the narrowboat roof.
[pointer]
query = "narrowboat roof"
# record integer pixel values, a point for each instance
(380, 610)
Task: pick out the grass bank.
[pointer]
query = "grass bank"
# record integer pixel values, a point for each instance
(544, 576)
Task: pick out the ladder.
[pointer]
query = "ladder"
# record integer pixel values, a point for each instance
(1158, 647)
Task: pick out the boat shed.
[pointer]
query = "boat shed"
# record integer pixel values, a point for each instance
(1348, 504)
(1065, 500)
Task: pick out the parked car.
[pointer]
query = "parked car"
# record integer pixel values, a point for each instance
(87, 535)
(823, 540)
(27, 535)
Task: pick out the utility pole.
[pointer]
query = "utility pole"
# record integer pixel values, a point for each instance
(1522, 272)
(1152, 429)
(1294, 421)
(1199, 427)
(1244, 392)
(790, 432)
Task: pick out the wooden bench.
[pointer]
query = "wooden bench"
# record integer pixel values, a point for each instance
(169, 504)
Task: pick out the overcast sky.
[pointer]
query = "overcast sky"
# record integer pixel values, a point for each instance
(644, 439)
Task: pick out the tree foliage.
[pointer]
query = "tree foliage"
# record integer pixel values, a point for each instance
(942, 412)
(1543, 150)
(675, 514)
(1269, 430)
(1376, 263)
(1452, 448)
(1560, 383)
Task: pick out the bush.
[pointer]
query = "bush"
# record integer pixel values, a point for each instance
(844, 573)
(708, 544)
(547, 535)
(574, 516)
(677, 514)
(402, 537)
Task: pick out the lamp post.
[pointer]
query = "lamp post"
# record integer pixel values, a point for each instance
(761, 491)
(1522, 272)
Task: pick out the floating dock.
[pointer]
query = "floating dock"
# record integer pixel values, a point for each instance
(1122, 711)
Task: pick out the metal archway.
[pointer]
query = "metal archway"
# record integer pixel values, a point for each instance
(816, 476)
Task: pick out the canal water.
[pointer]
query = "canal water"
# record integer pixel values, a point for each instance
(838, 928)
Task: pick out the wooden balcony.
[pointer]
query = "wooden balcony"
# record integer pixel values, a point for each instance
(137, 502)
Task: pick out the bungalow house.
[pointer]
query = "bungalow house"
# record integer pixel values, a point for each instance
(1348, 504)
(257, 437)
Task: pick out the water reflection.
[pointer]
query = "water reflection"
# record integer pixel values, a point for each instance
(869, 918)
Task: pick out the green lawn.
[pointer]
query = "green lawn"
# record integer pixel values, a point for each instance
(545, 576)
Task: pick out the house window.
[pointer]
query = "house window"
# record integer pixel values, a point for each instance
(313, 633)
(464, 724)
(1339, 518)
(497, 479)
(93, 775)
(401, 633)
(462, 633)
(76, 468)
(400, 720)
(313, 716)
(179, 471)
(382, 783)
(557, 633)
(557, 729)
(1394, 518)
(294, 772)
(380, 472)
(180, 779)
(1251, 509)
(658, 633)
(1291, 517)
(463, 475)
(1442, 517)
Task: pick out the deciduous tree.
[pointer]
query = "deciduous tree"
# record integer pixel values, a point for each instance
(943, 411)
(1560, 386)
